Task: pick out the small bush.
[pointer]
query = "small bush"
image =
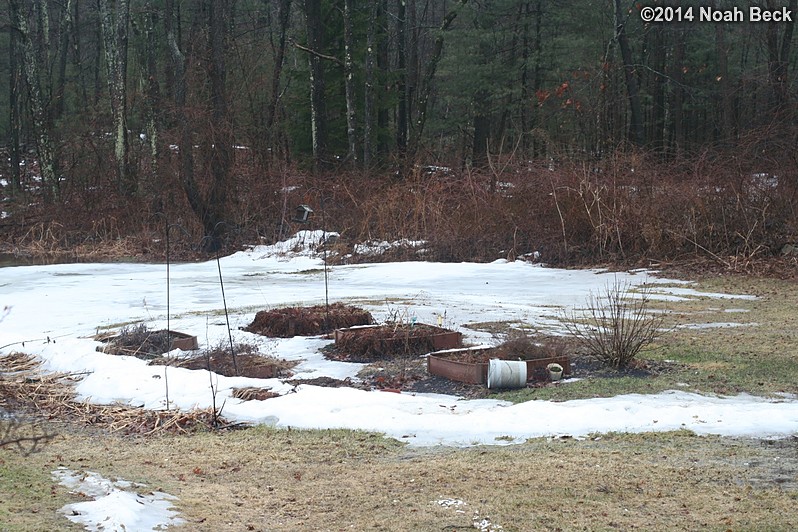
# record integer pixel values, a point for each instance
(618, 325)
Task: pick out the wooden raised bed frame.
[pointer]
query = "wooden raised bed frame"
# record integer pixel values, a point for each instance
(446, 364)
(182, 341)
(441, 338)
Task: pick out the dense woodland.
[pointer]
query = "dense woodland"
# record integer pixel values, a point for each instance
(487, 128)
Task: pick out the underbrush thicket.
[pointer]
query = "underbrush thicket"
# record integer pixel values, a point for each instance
(728, 207)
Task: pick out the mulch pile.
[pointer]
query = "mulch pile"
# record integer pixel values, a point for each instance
(307, 321)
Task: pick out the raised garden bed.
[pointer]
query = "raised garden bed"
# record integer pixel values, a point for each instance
(247, 365)
(140, 342)
(182, 341)
(307, 321)
(470, 365)
(380, 342)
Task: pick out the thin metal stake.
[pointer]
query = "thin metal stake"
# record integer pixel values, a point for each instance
(226, 315)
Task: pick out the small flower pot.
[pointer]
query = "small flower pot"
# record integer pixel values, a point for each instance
(555, 371)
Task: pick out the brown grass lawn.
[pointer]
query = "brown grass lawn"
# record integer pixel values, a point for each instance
(266, 479)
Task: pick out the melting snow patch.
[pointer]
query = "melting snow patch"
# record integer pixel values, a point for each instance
(451, 503)
(482, 523)
(372, 247)
(116, 505)
(716, 325)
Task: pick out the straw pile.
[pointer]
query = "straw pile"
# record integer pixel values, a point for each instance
(24, 386)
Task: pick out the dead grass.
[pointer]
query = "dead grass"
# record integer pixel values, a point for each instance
(267, 479)
(27, 389)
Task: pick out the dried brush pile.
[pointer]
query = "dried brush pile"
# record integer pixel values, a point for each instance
(307, 321)
(138, 341)
(249, 362)
(523, 347)
(254, 394)
(24, 386)
(385, 342)
(247, 365)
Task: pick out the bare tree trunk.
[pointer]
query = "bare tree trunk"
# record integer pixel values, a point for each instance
(636, 132)
(479, 150)
(426, 85)
(678, 140)
(179, 91)
(401, 84)
(656, 83)
(114, 27)
(524, 12)
(77, 52)
(349, 83)
(152, 92)
(222, 132)
(411, 79)
(369, 115)
(43, 36)
(65, 31)
(537, 149)
(44, 144)
(14, 85)
(383, 67)
(284, 16)
(779, 55)
(318, 108)
(209, 209)
(726, 117)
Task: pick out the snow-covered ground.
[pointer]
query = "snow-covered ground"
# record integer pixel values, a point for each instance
(53, 312)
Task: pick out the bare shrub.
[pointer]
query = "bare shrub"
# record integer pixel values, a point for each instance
(617, 326)
(139, 341)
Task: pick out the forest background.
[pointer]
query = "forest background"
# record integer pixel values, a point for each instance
(487, 129)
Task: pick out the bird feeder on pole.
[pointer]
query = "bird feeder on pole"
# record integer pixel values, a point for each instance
(302, 214)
